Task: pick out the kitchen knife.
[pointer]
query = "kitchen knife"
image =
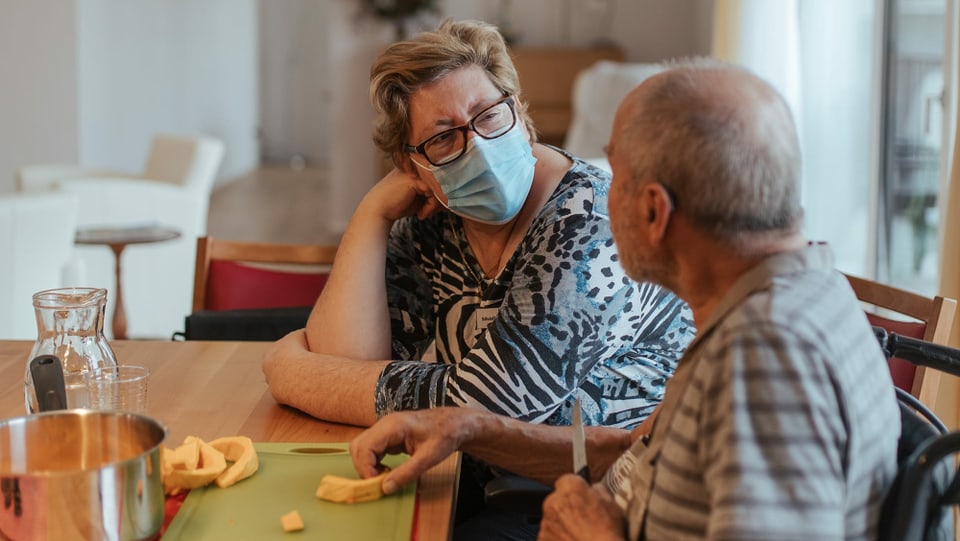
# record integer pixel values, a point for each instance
(579, 444)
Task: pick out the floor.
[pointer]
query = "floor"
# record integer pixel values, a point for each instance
(272, 204)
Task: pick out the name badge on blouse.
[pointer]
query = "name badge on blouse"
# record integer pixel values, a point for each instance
(484, 316)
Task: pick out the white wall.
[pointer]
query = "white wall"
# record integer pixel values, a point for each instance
(182, 66)
(38, 114)
(295, 84)
(648, 30)
(91, 81)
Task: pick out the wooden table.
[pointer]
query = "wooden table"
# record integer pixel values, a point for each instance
(213, 389)
(118, 238)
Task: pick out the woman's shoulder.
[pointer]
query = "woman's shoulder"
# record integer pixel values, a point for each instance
(583, 190)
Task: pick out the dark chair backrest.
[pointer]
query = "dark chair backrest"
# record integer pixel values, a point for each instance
(249, 325)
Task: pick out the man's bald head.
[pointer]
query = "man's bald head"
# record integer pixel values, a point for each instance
(722, 141)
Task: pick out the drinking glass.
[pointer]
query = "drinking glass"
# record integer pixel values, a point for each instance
(122, 387)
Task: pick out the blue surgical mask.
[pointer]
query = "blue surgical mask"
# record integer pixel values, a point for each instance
(490, 182)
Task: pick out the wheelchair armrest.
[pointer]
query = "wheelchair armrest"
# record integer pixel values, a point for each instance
(516, 494)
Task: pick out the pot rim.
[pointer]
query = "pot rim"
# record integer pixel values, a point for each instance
(81, 412)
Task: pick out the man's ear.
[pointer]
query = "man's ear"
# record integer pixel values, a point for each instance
(657, 206)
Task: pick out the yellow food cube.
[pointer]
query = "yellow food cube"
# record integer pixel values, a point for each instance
(291, 522)
(342, 490)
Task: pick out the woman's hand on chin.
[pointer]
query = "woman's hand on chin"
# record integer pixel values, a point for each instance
(401, 194)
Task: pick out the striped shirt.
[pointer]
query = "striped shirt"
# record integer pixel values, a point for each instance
(788, 426)
(561, 321)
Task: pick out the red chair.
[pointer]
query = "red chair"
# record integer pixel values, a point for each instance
(916, 316)
(254, 290)
(232, 275)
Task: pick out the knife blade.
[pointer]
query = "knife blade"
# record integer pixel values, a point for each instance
(580, 466)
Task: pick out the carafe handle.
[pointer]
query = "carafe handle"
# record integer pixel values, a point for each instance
(47, 374)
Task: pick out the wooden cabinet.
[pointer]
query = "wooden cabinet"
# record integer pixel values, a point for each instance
(547, 75)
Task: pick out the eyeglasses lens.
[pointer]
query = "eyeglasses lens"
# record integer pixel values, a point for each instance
(490, 123)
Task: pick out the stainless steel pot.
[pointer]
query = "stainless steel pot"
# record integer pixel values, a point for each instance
(81, 474)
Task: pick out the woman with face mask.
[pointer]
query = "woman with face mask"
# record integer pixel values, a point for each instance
(481, 271)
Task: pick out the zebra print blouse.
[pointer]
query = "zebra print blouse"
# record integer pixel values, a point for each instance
(561, 321)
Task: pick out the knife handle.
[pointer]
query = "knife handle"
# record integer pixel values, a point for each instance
(584, 473)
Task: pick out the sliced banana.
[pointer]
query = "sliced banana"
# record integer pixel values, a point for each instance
(342, 490)
(240, 451)
(196, 463)
(210, 465)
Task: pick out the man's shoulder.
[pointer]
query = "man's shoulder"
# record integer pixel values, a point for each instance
(813, 301)
(805, 314)
(809, 335)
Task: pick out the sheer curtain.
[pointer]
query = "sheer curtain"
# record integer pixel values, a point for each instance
(762, 36)
(950, 205)
(814, 52)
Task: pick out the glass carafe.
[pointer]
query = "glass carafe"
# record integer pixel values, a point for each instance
(70, 326)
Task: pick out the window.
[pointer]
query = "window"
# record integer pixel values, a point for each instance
(871, 120)
(913, 136)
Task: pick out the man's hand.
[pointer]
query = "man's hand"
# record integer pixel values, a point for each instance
(575, 511)
(428, 436)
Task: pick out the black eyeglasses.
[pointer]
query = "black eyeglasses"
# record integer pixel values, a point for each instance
(447, 146)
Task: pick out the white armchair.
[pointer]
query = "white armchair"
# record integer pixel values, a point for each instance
(174, 191)
(36, 247)
(597, 92)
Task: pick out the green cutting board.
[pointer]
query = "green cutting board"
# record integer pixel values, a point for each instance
(287, 480)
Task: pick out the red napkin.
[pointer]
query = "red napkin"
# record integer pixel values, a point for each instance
(170, 507)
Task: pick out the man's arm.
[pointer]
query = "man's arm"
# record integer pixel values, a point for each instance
(327, 387)
(536, 451)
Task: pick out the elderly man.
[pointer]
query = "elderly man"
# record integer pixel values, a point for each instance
(781, 420)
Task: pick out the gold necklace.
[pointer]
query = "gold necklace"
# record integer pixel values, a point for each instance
(480, 281)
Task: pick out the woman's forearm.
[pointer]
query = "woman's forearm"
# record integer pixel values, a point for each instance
(327, 387)
(351, 318)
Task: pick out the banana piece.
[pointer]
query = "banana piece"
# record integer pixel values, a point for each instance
(240, 451)
(342, 490)
(209, 465)
(184, 457)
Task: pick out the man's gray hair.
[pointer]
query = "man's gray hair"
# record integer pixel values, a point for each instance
(725, 147)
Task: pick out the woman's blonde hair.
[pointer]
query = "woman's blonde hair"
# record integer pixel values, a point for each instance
(408, 65)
